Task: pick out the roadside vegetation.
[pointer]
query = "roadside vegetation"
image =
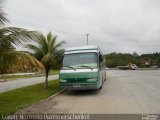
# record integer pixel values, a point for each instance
(44, 56)
(13, 100)
(11, 37)
(143, 61)
(48, 51)
(14, 76)
(44, 52)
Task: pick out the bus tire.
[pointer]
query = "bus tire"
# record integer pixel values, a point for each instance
(105, 77)
(100, 87)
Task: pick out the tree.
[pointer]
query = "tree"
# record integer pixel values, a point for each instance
(135, 54)
(158, 62)
(10, 37)
(3, 18)
(47, 51)
(9, 56)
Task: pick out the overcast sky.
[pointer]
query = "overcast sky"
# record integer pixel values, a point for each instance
(115, 25)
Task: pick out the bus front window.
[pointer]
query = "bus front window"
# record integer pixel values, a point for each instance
(77, 60)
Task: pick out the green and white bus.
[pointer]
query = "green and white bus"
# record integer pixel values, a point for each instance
(83, 68)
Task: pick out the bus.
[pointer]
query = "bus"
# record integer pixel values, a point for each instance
(83, 68)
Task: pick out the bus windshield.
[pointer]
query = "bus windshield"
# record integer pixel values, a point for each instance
(78, 60)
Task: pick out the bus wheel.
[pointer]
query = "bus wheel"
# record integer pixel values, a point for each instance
(100, 87)
(105, 77)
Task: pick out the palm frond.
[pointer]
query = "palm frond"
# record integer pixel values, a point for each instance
(34, 48)
(58, 45)
(18, 60)
(51, 50)
(3, 18)
(52, 43)
(17, 36)
(49, 36)
(43, 44)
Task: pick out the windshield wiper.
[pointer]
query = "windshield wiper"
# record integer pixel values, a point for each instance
(86, 66)
(70, 67)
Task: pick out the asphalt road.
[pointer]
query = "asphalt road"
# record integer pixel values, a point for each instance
(23, 82)
(124, 92)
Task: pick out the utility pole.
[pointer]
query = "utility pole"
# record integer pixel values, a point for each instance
(87, 37)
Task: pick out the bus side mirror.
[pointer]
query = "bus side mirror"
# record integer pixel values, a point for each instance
(100, 58)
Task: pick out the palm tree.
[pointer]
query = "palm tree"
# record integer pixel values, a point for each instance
(47, 51)
(10, 38)
(2, 15)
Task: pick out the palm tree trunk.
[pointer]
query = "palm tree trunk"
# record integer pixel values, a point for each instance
(46, 80)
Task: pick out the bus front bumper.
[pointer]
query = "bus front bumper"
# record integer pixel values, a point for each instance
(79, 86)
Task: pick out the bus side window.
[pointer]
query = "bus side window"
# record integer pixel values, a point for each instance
(100, 60)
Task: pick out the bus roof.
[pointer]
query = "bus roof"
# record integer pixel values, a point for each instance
(88, 48)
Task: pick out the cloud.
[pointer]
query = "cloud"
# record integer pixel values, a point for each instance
(114, 25)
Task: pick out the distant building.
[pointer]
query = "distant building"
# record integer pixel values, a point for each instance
(146, 64)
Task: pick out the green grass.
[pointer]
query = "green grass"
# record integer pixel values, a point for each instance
(13, 100)
(53, 72)
(12, 77)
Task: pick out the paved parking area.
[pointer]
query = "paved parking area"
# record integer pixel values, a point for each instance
(124, 92)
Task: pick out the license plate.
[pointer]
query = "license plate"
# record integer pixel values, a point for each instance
(77, 85)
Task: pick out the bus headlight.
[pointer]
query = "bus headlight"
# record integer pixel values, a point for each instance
(92, 79)
(63, 80)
